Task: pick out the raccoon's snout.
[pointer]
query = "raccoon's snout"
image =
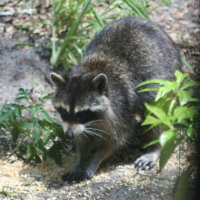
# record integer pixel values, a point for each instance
(69, 134)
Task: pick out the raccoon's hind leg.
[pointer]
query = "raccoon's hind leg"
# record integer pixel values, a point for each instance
(148, 160)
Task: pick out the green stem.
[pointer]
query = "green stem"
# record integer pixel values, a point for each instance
(173, 102)
(53, 46)
(136, 8)
(19, 144)
(98, 18)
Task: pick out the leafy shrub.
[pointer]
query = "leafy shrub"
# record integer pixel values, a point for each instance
(174, 110)
(37, 132)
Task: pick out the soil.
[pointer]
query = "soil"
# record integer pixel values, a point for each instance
(24, 63)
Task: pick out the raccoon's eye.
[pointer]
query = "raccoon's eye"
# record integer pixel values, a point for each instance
(63, 113)
(86, 116)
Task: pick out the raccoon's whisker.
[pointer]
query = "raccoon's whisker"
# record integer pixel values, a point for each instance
(95, 129)
(85, 135)
(91, 122)
(93, 133)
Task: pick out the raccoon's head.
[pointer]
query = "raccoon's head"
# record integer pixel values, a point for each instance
(82, 102)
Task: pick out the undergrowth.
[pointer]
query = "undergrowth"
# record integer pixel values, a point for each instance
(32, 128)
(74, 22)
(174, 110)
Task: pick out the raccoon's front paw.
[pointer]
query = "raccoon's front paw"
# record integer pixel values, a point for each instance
(77, 176)
(146, 161)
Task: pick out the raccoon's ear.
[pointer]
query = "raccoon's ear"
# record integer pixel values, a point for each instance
(57, 79)
(100, 82)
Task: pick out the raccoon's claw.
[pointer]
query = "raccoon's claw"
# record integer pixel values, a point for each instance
(77, 176)
(68, 177)
(86, 175)
(142, 164)
(147, 161)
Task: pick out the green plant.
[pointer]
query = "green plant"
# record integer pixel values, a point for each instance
(75, 21)
(4, 191)
(67, 19)
(173, 110)
(140, 8)
(32, 128)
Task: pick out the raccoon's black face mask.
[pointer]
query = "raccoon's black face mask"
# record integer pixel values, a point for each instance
(81, 117)
(80, 101)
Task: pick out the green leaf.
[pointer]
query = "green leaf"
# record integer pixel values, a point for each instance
(169, 87)
(159, 94)
(156, 111)
(167, 151)
(98, 18)
(48, 96)
(18, 114)
(36, 134)
(37, 158)
(45, 115)
(55, 128)
(151, 127)
(21, 91)
(180, 76)
(151, 120)
(194, 100)
(48, 136)
(171, 106)
(166, 136)
(21, 98)
(149, 89)
(152, 81)
(5, 116)
(137, 8)
(184, 97)
(185, 112)
(40, 148)
(30, 152)
(58, 130)
(27, 125)
(152, 143)
(15, 130)
(189, 84)
(71, 32)
(162, 103)
(34, 110)
(55, 152)
(190, 131)
(24, 94)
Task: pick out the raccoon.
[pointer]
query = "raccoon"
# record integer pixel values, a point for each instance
(97, 101)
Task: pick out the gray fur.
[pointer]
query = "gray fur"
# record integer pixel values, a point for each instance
(125, 53)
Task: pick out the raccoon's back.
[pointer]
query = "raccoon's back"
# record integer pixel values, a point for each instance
(137, 48)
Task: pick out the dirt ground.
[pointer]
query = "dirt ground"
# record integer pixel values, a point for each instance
(22, 65)
(117, 179)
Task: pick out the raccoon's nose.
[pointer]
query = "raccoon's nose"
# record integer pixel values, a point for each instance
(69, 134)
